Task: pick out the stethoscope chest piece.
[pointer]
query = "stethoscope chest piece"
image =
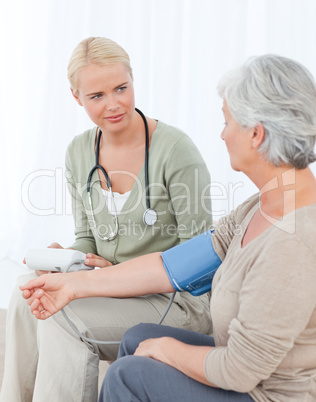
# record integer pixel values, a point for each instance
(150, 217)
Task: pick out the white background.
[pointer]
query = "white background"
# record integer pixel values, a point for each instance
(178, 48)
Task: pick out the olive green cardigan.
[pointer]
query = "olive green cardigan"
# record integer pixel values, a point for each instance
(179, 192)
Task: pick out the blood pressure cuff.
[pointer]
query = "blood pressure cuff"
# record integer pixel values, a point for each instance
(192, 265)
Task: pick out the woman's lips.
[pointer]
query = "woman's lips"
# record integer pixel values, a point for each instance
(115, 118)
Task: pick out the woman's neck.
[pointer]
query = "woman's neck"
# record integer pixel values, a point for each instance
(286, 189)
(132, 135)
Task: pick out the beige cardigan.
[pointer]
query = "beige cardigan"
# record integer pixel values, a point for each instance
(263, 308)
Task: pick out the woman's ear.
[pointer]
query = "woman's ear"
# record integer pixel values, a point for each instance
(76, 97)
(258, 136)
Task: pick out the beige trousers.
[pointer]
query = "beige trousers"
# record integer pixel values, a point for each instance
(47, 361)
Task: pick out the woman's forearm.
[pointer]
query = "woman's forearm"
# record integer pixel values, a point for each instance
(48, 294)
(136, 277)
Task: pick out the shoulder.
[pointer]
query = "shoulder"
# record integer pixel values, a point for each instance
(82, 141)
(247, 206)
(305, 223)
(231, 225)
(239, 214)
(284, 257)
(171, 142)
(297, 231)
(81, 148)
(80, 153)
(170, 135)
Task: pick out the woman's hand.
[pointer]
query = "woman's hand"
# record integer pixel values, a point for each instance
(96, 261)
(189, 359)
(153, 348)
(48, 294)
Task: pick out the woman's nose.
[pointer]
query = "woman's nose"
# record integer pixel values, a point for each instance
(112, 108)
(112, 104)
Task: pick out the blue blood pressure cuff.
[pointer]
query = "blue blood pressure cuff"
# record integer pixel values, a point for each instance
(192, 265)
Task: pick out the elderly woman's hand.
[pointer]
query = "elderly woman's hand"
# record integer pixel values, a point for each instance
(48, 294)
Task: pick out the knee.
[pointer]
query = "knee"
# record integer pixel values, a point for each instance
(117, 371)
(113, 386)
(133, 337)
(130, 341)
(122, 379)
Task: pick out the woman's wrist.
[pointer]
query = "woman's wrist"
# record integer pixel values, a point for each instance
(81, 284)
(89, 283)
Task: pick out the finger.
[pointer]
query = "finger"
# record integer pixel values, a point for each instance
(26, 294)
(93, 262)
(55, 245)
(35, 305)
(96, 261)
(41, 314)
(92, 259)
(43, 308)
(34, 295)
(91, 256)
(140, 352)
(39, 272)
(33, 283)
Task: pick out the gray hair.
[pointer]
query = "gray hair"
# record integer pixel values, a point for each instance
(280, 94)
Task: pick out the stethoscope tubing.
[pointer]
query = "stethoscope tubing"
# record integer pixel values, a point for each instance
(150, 216)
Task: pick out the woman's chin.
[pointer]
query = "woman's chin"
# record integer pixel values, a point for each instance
(235, 167)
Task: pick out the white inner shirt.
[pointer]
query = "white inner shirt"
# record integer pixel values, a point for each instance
(119, 200)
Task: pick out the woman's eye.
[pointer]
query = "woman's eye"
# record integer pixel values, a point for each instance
(121, 89)
(98, 96)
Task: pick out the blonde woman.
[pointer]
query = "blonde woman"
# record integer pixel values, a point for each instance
(106, 166)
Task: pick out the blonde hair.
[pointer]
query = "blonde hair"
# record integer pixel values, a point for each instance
(95, 50)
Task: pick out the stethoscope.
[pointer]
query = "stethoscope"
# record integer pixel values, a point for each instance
(150, 216)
